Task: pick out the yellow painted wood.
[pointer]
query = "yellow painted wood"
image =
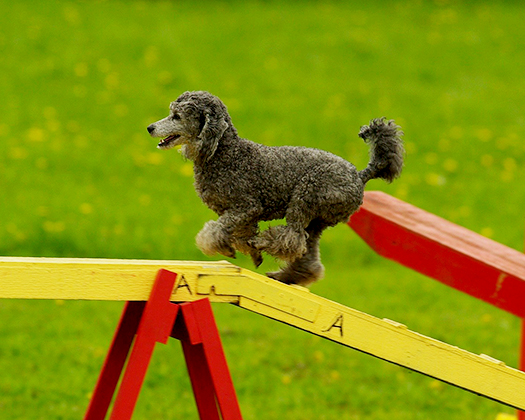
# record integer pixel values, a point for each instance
(96, 279)
(505, 416)
(47, 278)
(382, 338)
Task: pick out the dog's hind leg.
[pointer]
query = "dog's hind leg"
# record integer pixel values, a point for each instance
(284, 242)
(308, 268)
(288, 242)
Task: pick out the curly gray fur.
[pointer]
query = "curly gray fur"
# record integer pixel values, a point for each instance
(386, 150)
(246, 182)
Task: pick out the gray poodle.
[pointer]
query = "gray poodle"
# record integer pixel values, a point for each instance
(246, 182)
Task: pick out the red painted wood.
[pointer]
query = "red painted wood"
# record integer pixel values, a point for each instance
(115, 360)
(187, 331)
(155, 326)
(201, 381)
(521, 414)
(155, 321)
(443, 250)
(199, 315)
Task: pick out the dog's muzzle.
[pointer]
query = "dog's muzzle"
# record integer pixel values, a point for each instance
(166, 143)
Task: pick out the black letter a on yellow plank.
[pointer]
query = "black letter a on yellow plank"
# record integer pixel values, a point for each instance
(183, 283)
(338, 323)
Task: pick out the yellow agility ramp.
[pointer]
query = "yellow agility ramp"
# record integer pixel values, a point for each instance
(132, 280)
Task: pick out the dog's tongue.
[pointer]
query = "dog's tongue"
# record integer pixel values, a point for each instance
(167, 140)
(164, 141)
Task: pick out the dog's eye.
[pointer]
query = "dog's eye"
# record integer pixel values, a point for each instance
(176, 116)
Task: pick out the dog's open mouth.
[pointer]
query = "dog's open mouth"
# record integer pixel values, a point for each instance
(168, 142)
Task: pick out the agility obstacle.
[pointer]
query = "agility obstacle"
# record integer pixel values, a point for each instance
(444, 251)
(170, 298)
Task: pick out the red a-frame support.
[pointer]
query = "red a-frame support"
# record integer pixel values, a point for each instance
(147, 323)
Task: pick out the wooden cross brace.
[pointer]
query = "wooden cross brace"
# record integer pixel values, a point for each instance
(143, 324)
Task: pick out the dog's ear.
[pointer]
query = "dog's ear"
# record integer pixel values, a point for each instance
(213, 127)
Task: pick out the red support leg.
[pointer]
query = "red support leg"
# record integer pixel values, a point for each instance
(521, 414)
(201, 381)
(115, 360)
(521, 361)
(206, 361)
(150, 321)
(156, 325)
(154, 321)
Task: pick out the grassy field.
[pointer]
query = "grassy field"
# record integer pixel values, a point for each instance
(80, 177)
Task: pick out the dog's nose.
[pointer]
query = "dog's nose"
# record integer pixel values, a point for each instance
(151, 127)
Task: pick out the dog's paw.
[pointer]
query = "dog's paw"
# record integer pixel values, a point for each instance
(292, 275)
(246, 246)
(227, 251)
(213, 239)
(279, 276)
(282, 242)
(257, 257)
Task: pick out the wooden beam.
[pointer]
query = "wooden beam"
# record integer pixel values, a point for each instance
(382, 338)
(443, 250)
(35, 278)
(95, 279)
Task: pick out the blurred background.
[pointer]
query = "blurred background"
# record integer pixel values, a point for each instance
(80, 177)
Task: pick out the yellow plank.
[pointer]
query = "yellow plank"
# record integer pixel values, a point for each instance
(48, 278)
(97, 279)
(382, 338)
(505, 416)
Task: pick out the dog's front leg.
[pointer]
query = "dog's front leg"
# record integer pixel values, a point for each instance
(243, 238)
(234, 230)
(216, 237)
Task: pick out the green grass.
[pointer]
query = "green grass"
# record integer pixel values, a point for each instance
(79, 177)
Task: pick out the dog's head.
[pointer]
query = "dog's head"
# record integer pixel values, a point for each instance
(197, 120)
